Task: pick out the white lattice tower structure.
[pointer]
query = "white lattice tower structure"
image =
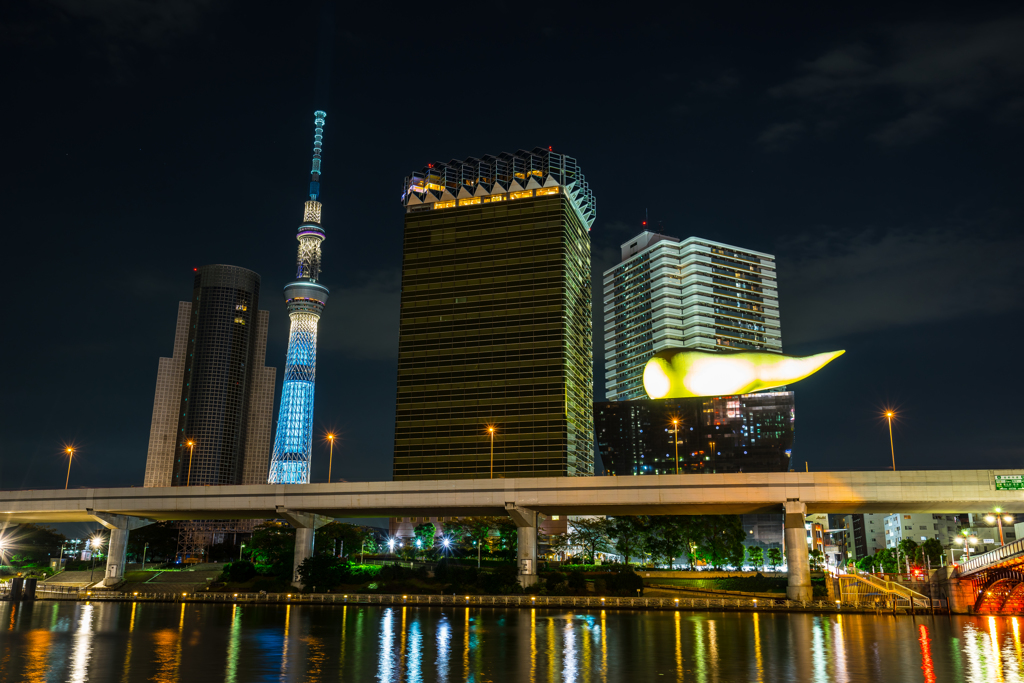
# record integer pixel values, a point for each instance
(305, 299)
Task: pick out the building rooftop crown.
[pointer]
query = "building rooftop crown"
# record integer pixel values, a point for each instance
(520, 171)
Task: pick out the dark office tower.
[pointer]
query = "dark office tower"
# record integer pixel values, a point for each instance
(748, 433)
(495, 321)
(214, 391)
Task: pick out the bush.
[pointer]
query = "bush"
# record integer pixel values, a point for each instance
(238, 572)
(577, 582)
(625, 582)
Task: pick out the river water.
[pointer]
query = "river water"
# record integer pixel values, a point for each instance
(193, 642)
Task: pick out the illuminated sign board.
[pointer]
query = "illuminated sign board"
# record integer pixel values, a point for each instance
(1009, 482)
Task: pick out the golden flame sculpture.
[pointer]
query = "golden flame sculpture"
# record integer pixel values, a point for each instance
(681, 373)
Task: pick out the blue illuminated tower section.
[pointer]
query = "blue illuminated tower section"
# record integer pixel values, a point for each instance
(305, 298)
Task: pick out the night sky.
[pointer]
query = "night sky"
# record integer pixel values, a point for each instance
(876, 153)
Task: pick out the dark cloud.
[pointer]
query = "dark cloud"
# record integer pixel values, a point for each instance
(926, 73)
(834, 284)
(780, 135)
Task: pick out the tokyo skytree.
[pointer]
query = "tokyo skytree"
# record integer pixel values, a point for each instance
(305, 298)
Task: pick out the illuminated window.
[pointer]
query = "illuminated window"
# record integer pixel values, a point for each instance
(444, 205)
(495, 198)
(434, 186)
(468, 202)
(521, 176)
(520, 195)
(240, 321)
(537, 173)
(547, 190)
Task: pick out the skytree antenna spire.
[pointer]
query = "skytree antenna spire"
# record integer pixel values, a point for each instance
(305, 299)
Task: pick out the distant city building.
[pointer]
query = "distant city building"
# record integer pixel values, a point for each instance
(214, 389)
(748, 433)
(868, 532)
(692, 293)
(495, 326)
(305, 298)
(919, 527)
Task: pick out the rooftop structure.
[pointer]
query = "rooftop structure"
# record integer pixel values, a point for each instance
(305, 299)
(501, 178)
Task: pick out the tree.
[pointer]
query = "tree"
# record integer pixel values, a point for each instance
(162, 538)
(719, 538)
(321, 572)
(471, 530)
(508, 538)
(756, 555)
(423, 537)
(932, 550)
(272, 545)
(817, 560)
(339, 539)
(673, 536)
(588, 536)
(774, 557)
(31, 544)
(631, 535)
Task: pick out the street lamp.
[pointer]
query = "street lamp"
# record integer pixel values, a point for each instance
(330, 461)
(144, 549)
(191, 447)
(96, 542)
(240, 549)
(491, 430)
(999, 518)
(966, 540)
(71, 452)
(892, 449)
(675, 423)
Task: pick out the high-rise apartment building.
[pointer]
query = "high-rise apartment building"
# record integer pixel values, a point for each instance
(691, 293)
(214, 390)
(716, 434)
(495, 328)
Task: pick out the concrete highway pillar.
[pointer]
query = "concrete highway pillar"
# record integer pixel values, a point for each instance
(526, 525)
(306, 524)
(797, 561)
(117, 549)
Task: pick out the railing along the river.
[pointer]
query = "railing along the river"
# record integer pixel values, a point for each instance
(543, 601)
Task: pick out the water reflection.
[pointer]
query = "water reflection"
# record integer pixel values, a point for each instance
(149, 642)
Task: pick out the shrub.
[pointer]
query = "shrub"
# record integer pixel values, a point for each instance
(238, 572)
(625, 582)
(577, 582)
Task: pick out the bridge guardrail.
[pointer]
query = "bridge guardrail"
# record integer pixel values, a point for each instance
(981, 561)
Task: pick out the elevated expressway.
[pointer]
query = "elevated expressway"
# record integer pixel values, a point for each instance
(307, 506)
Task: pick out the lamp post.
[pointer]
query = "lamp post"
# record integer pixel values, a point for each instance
(330, 461)
(675, 423)
(965, 539)
(71, 453)
(491, 430)
(144, 549)
(95, 547)
(998, 518)
(892, 449)
(191, 448)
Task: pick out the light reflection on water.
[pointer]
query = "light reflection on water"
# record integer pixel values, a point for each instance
(167, 642)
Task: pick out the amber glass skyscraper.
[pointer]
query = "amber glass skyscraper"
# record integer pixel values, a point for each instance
(496, 320)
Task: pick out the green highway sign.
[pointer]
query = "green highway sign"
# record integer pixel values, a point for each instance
(1009, 482)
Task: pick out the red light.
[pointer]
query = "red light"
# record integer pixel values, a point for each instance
(194, 269)
(549, 148)
(430, 166)
(645, 222)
